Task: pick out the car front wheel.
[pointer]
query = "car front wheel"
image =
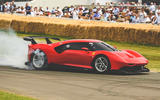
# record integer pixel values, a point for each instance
(101, 64)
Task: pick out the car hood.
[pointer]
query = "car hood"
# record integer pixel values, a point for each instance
(131, 57)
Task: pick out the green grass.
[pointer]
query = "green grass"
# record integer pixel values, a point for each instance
(11, 96)
(152, 53)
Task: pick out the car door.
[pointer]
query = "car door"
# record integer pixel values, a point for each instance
(75, 56)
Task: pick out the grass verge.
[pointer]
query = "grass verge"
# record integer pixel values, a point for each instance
(12, 96)
(152, 53)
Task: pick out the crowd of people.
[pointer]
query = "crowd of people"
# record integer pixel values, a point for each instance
(129, 12)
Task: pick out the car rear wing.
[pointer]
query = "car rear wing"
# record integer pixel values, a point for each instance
(32, 39)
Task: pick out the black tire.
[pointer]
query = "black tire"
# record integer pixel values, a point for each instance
(103, 65)
(39, 60)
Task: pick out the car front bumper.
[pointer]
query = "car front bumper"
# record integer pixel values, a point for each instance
(133, 70)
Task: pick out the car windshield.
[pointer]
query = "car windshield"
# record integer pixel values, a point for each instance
(102, 46)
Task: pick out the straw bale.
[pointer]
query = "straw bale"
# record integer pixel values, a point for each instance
(121, 32)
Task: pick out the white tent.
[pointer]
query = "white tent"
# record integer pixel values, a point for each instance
(60, 3)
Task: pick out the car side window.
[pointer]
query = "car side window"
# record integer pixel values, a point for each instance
(78, 46)
(73, 46)
(62, 48)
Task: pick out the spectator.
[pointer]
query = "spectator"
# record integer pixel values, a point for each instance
(107, 15)
(80, 14)
(125, 10)
(133, 18)
(152, 16)
(59, 13)
(97, 16)
(12, 7)
(137, 20)
(66, 12)
(1, 6)
(116, 12)
(94, 9)
(28, 9)
(7, 7)
(47, 12)
(85, 12)
(40, 11)
(35, 12)
(157, 21)
(90, 14)
(53, 11)
(152, 7)
(142, 16)
(71, 9)
(75, 13)
(20, 10)
(158, 10)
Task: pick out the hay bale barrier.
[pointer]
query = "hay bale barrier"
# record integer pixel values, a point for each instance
(120, 32)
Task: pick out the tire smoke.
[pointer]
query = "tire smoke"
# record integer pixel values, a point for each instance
(13, 50)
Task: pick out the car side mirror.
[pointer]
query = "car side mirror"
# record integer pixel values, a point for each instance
(85, 49)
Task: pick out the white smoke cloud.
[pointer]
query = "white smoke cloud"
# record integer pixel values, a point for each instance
(13, 50)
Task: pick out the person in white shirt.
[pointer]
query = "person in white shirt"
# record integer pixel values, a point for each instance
(53, 11)
(158, 10)
(152, 17)
(20, 10)
(59, 13)
(158, 18)
(152, 7)
(35, 12)
(6, 7)
(75, 13)
(94, 9)
(125, 10)
(99, 11)
(142, 16)
(137, 19)
(71, 9)
(116, 12)
(32, 12)
(107, 15)
(40, 11)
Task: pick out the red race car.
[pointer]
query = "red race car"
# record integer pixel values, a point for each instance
(85, 53)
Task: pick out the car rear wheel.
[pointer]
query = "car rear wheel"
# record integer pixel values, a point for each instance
(101, 64)
(39, 60)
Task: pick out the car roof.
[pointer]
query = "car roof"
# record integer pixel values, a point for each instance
(81, 40)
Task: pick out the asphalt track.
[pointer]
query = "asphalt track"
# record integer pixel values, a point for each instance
(66, 84)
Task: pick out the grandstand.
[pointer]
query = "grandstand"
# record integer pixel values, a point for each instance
(63, 3)
(91, 1)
